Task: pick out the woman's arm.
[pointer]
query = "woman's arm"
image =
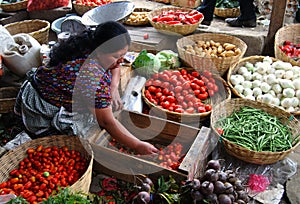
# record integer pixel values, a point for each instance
(116, 99)
(107, 121)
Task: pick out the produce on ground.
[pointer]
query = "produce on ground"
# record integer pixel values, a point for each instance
(43, 172)
(181, 91)
(291, 49)
(178, 17)
(212, 49)
(256, 130)
(269, 81)
(92, 2)
(218, 185)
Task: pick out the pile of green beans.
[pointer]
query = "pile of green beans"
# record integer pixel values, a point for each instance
(256, 130)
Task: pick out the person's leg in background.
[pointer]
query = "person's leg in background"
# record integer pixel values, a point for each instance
(247, 18)
(207, 8)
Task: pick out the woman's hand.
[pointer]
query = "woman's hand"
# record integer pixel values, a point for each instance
(117, 103)
(145, 148)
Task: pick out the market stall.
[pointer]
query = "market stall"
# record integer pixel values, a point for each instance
(182, 90)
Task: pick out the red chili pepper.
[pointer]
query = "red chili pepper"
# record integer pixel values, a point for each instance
(173, 22)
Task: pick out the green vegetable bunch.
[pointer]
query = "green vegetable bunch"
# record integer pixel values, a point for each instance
(11, 1)
(227, 4)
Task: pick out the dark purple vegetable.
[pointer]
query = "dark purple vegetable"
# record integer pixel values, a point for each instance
(213, 198)
(196, 184)
(197, 195)
(222, 176)
(228, 187)
(224, 199)
(146, 187)
(149, 181)
(213, 164)
(142, 197)
(211, 175)
(207, 188)
(219, 187)
(238, 185)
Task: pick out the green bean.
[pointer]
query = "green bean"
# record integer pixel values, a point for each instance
(258, 130)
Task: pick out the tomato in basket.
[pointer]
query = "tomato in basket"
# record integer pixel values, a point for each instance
(181, 91)
(43, 171)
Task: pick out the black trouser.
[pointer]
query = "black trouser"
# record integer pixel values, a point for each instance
(246, 6)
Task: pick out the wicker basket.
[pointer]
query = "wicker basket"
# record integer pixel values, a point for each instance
(226, 108)
(8, 98)
(81, 9)
(227, 12)
(11, 159)
(172, 29)
(14, 6)
(218, 65)
(291, 33)
(137, 11)
(223, 93)
(234, 68)
(38, 29)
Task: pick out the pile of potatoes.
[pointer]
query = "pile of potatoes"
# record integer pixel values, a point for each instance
(138, 18)
(213, 49)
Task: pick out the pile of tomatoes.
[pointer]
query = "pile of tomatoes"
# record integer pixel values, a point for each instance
(43, 172)
(181, 91)
(171, 156)
(178, 17)
(291, 49)
(92, 2)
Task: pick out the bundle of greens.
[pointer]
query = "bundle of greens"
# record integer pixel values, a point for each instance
(227, 4)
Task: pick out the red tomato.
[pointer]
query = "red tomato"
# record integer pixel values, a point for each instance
(208, 107)
(203, 96)
(151, 89)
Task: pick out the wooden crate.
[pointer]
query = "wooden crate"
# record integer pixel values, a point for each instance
(157, 131)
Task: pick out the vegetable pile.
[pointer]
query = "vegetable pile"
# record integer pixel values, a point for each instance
(92, 2)
(218, 186)
(178, 17)
(227, 4)
(146, 63)
(10, 1)
(181, 91)
(213, 49)
(291, 49)
(256, 130)
(43, 172)
(169, 157)
(268, 81)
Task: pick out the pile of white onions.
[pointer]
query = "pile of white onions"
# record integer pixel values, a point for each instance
(271, 82)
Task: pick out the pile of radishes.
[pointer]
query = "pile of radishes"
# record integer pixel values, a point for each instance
(268, 81)
(218, 186)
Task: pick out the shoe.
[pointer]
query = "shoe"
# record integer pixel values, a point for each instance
(206, 23)
(236, 22)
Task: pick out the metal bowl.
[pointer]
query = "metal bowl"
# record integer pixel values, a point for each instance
(114, 11)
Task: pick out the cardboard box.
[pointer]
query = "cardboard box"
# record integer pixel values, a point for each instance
(195, 142)
(186, 3)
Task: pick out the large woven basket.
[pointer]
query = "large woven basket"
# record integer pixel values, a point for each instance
(226, 108)
(81, 9)
(227, 12)
(8, 98)
(234, 68)
(291, 33)
(38, 29)
(172, 29)
(11, 159)
(14, 6)
(218, 65)
(224, 93)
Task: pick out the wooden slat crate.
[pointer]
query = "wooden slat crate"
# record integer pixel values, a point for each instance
(158, 132)
(8, 98)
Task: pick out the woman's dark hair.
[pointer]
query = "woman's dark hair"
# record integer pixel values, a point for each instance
(86, 42)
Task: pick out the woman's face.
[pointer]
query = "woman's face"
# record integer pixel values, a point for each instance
(112, 60)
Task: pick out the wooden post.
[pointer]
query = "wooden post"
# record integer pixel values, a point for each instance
(276, 22)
